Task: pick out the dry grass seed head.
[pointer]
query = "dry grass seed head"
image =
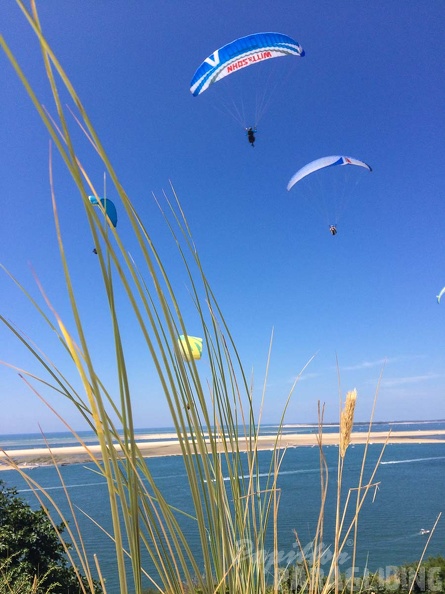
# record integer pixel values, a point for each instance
(347, 421)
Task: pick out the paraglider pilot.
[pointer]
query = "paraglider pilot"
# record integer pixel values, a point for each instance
(333, 229)
(251, 135)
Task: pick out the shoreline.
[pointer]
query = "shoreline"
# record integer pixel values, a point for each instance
(32, 458)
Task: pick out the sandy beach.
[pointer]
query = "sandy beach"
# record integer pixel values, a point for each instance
(78, 454)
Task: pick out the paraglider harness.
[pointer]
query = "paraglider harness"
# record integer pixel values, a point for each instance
(251, 135)
(333, 229)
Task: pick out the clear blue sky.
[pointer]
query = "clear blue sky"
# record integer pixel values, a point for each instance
(371, 86)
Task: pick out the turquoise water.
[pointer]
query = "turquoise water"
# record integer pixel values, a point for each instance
(410, 495)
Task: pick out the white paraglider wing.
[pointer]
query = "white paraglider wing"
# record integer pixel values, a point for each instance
(322, 163)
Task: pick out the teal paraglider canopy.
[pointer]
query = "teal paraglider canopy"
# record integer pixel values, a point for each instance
(108, 206)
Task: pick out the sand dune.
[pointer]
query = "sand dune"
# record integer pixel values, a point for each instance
(156, 448)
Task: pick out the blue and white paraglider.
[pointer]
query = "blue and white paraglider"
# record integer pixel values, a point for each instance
(236, 56)
(327, 193)
(240, 53)
(322, 163)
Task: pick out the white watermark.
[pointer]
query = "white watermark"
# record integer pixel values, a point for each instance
(292, 564)
(309, 554)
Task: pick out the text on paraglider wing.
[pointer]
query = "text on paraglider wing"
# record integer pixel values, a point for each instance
(213, 60)
(249, 60)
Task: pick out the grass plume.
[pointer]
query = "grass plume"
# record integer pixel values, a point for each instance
(347, 421)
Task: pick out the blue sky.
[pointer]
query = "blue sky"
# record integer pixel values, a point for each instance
(371, 86)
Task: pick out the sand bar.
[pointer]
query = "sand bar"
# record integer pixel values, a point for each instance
(78, 454)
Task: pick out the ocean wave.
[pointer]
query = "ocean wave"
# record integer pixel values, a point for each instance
(58, 487)
(265, 474)
(413, 460)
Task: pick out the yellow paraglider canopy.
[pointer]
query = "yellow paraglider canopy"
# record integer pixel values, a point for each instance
(190, 347)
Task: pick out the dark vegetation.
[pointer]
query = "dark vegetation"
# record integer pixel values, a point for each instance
(32, 555)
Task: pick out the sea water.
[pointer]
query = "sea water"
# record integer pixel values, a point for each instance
(408, 495)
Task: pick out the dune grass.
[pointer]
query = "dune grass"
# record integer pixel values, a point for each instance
(214, 417)
(211, 421)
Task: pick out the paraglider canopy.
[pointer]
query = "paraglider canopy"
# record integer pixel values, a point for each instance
(439, 297)
(240, 53)
(190, 347)
(109, 207)
(327, 185)
(322, 163)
